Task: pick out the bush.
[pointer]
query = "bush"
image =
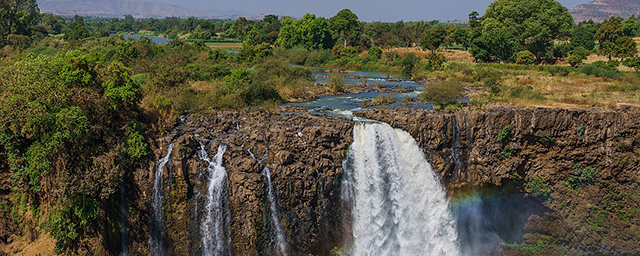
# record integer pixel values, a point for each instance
(582, 177)
(540, 188)
(408, 62)
(525, 58)
(319, 57)
(505, 134)
(442, 93)
(525, 92)
(375, 53)
(598, 70)
(435, 61)
(506, 153)
(581, 51)
(575, 60)
(561, 50)
(633, 62)
(336, 84)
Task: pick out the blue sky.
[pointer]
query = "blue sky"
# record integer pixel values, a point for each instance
(367, 10)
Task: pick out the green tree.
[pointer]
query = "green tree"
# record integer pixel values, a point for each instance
(311, 32)
(583, 37)
(630, 26)
(433, 38)
(17, 17)
(460, 36)
(496, 43)
(608, 32)
(77, 30)
(625, 47)
(347, 26)
(534, 24)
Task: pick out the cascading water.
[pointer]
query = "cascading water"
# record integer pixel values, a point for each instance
(124, 234)
(280, 238)
(214, 239)
(155, 221)
(397, 202)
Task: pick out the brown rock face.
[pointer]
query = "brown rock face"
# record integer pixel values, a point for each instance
(304, 154)
(583, 163)
(551, 153)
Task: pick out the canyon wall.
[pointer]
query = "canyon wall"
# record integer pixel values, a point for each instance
(304, 154)
(583, 164)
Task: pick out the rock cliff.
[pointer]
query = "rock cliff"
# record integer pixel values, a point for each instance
(304, 154)
(584, 165)
(581, 164)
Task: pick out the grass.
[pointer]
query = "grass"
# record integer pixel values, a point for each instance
(234, 46)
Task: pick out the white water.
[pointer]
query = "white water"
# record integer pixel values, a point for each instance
(280, 238)
(156, 234)
(398, 205)
(214, 240)
(124, 234)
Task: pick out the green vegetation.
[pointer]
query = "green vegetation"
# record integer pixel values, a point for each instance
(507, 153)
(582, 176)
(505, 134)
(442, 93)
(77, 105)
(539, 187)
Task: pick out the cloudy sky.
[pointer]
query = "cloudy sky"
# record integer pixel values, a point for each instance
(367, 10)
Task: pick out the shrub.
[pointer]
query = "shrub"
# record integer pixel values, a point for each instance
(506, 153)
(581, 52)
(408, 62)
(435, 61)
(582, 177)
(561, 50)
(581, 129)
(596, 69)
(574, 60)
(375, 53)
(336, 84)
(540, 188)
(633, 62)
(525, 92)
(505, 134)
(442, 93)
(525, 58)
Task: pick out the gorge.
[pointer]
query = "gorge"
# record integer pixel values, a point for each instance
(362, 187)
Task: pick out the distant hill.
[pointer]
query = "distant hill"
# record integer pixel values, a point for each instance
(600, 10)
(138, 9)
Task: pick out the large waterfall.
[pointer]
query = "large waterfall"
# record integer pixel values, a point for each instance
(398, 205)
(214, 238)
(155, 221)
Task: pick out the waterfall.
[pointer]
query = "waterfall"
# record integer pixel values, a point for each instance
(280, 238)
(155, 221)
(214, 238)
(397, 202)
(124, 234)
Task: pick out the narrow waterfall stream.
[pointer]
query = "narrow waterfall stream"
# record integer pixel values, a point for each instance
(399, 206)
(214, 238)
(124, 234)
(280, 238)
(156, 240)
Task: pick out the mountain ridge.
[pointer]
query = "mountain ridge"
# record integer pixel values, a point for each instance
(138, 9)
(599, 10)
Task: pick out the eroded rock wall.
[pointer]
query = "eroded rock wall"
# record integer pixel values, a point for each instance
(583, 164)
(304, 154)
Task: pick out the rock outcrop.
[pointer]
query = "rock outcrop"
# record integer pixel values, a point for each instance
(583, 164)
(304, 154)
